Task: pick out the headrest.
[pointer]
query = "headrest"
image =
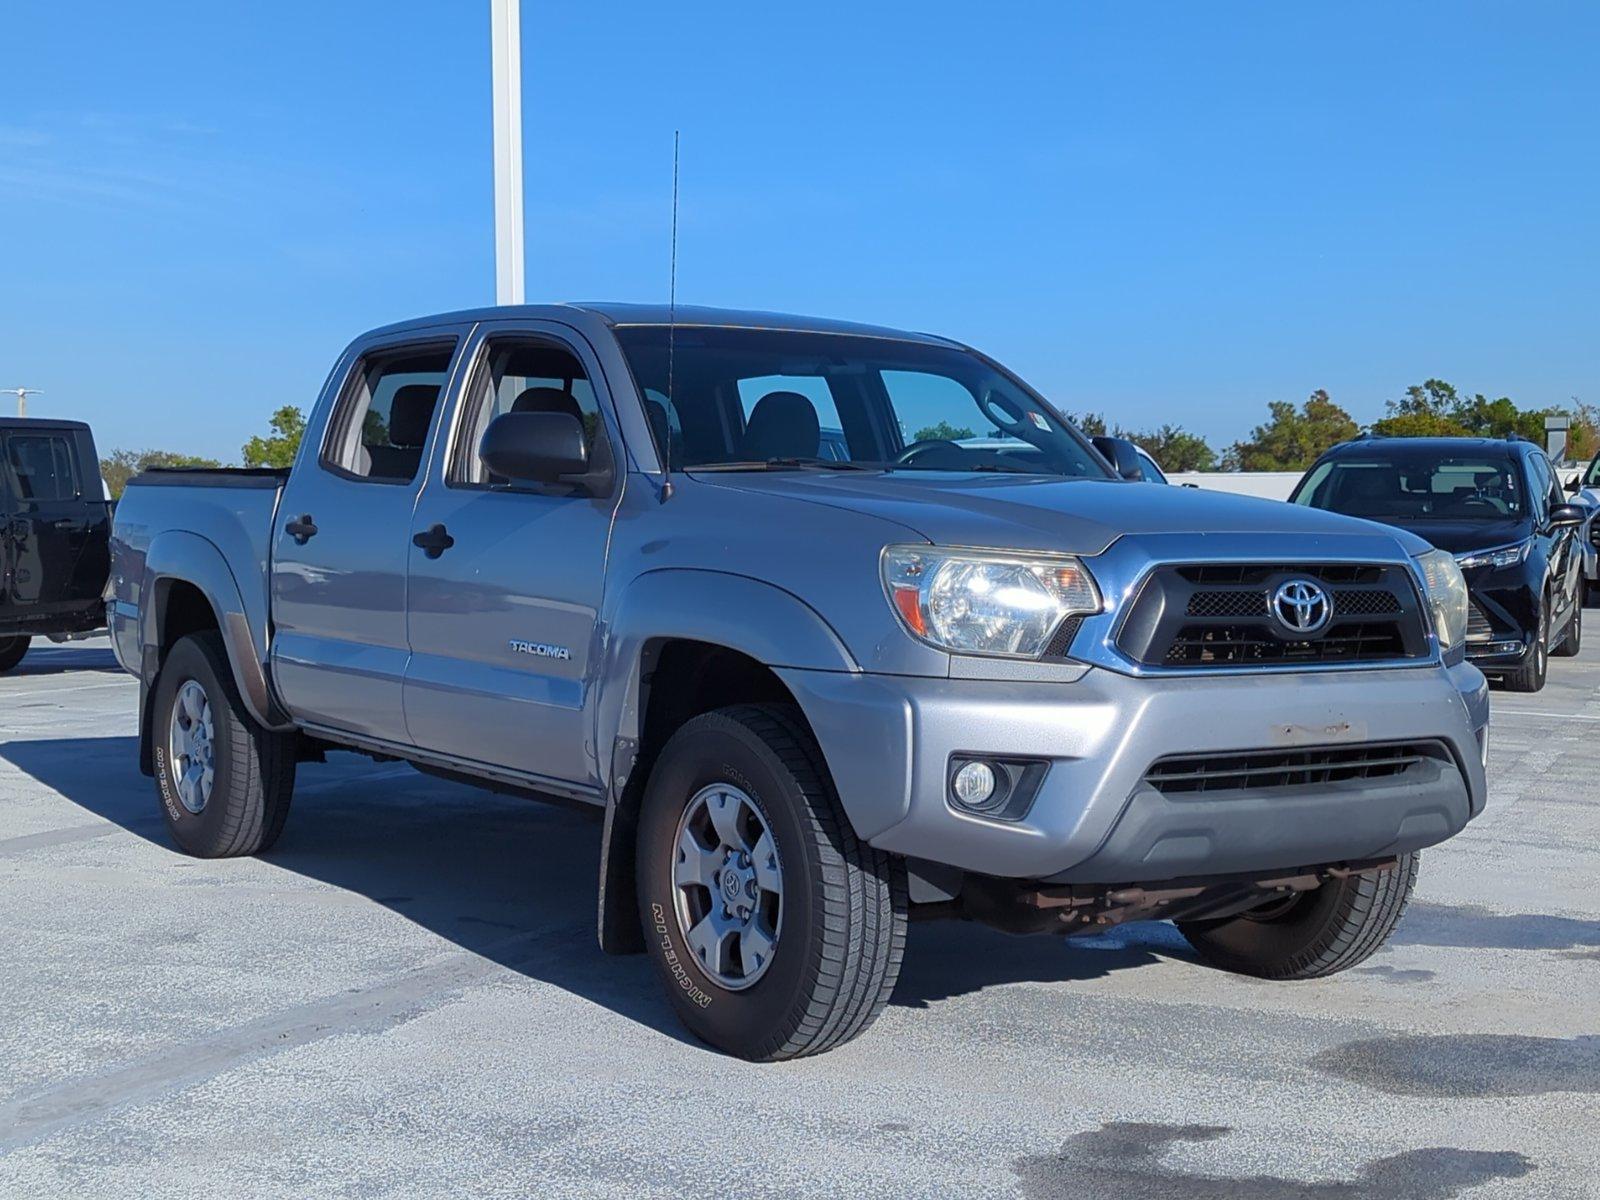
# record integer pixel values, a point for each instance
(410, 414)
(781, 425)
(546, 400)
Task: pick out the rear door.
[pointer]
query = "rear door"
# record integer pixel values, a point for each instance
(50, 521)
(343, 538)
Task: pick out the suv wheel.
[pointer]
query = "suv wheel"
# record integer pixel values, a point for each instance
(1572, 641)
(11, 651)
(1319, 932)
(225, 782)
(1530, 676)
(777, 932)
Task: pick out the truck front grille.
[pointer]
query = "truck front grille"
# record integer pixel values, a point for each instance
(1253, 770)
(1219, 615)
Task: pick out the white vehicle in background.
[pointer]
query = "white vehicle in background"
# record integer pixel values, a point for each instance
(1585, 489)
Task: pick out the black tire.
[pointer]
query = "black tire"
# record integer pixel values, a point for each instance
(1571, 641)
(253, 768)
(838, 948)
(1530, 676)
(11, 651)
(1321, 932)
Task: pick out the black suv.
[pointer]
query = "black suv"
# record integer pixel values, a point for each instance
(55, 534)
(1497, 506)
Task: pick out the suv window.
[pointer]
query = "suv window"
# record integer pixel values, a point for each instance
(1542, 482)
(1416, 484)
(41, 466)
(520, 375)
(383, 418)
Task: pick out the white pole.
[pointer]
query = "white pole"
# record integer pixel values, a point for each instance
(505, 20)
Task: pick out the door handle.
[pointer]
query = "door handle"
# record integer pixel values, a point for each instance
(433, 542)
(302, 530)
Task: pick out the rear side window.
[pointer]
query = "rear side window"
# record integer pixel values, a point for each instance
(41, 466)
(382, 422)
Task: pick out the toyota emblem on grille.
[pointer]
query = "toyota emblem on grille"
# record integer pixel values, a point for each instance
(1301, 606)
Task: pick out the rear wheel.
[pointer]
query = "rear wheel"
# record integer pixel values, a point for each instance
(1530, 676)
(11, 651)
(1572, 640)
(777, 932)
(224, 781)
(1320, 932)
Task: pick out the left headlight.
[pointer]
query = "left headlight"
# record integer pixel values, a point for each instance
(1500, 556)
(986, 601)
(1447, 597)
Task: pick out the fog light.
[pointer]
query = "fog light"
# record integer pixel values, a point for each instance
(974, 784)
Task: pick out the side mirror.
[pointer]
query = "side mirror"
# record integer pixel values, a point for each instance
(536, 447)
(1576, 485)
(1122, 455)
(1568, 516)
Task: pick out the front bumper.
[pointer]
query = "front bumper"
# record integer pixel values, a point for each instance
(888, 741)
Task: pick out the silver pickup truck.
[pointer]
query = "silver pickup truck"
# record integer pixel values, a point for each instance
(838, 625)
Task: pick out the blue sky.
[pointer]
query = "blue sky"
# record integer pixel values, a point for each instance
(1166, 212)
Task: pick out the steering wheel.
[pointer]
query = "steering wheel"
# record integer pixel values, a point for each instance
(920, 449)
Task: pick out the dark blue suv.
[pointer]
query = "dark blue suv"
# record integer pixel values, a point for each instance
(1498, 507)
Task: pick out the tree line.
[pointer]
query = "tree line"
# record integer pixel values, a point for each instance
(1290, 439)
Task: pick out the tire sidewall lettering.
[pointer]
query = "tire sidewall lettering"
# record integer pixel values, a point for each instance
(692, 992)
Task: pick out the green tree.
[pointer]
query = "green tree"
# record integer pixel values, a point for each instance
(1090, 424)
(278, 448)
(1176, 449)
(1291, 438)
(120, 466)
(942, 432)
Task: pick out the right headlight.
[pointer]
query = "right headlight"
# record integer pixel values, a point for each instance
(986, 601)
(1447, 597)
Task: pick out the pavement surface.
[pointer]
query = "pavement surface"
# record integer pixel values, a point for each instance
(405, 999)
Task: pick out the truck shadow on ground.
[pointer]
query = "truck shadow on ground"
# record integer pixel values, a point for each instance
(514, 881)
(46, 658)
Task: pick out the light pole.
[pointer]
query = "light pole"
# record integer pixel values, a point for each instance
(22, 395)
(505, 22)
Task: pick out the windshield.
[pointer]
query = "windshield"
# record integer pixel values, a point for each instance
(757, 399)
(1416, 486)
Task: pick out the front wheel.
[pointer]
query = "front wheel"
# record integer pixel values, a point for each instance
(1571, 641)
(1315, 933)
(11, 651)
(225, 782)
(1530, 676)
(777, 932)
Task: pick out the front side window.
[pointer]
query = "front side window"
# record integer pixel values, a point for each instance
(521, 375)
(381, 425)
(1417, 485)
(749, 399)
(41, 466)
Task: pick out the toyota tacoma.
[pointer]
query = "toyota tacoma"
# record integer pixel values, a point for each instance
(838, 625)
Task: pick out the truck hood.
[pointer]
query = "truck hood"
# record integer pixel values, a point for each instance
(1458, 537)
(1077, 516)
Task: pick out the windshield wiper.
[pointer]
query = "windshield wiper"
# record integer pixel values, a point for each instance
(785, 464)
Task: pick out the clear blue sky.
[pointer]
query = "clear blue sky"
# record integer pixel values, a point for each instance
(1168, 212)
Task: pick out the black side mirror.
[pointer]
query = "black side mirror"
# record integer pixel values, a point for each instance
(540, 448)
(1122, 455)
(1568, 516)
(1576, 485)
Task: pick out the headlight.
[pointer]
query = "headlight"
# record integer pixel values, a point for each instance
(983, 601)
(1447, 597)
(1500, 556)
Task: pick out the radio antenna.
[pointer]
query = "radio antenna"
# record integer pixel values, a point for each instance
(672, 322)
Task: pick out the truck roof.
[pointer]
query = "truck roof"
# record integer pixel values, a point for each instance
(687, 315)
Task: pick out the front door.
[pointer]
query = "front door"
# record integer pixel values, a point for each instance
(343, 540)
(505, 584)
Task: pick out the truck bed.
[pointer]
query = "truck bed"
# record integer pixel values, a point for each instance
(215, 523)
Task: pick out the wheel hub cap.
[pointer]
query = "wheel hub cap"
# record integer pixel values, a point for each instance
(727, 885)
(191, 746)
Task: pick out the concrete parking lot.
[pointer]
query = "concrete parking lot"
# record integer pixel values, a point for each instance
(405, 999)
